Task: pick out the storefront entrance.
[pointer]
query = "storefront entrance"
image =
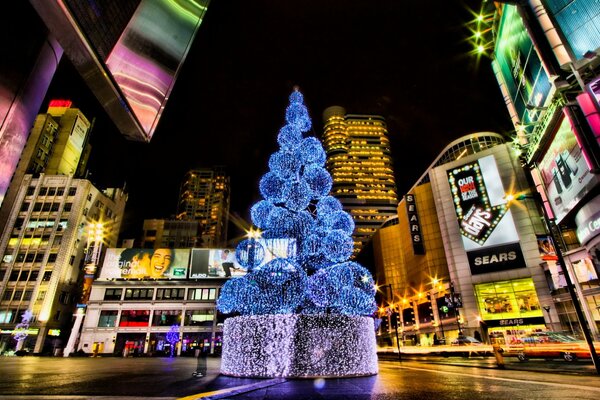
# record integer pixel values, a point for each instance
(130, 344)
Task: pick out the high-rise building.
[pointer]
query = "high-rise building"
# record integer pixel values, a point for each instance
(205, 197)
(57, 145)
(360, 162)
(171, 233)
(43, 251)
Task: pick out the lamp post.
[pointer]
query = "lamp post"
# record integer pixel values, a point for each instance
(396, 325)
(552, 227)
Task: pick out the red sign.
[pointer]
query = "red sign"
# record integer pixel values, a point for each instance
(60, 103)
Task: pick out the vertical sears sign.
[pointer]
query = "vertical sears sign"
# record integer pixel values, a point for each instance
(414, 225)
(488, 232)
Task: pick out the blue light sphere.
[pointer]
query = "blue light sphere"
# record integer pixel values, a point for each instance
(259, 213)
(337, 246)
(299, 196)
(249, 253)
(273, 188)
(282, 285)
(340, 220)
(296, 114)
(311, 151)
(289, 137)
(328, 205)
(318, 180)
(284, 164)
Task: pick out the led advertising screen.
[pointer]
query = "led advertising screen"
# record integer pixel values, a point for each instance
(129, 52)
(215, 263)
(578, 22)
(145, 264)
(486, 225)
(564, 172)
(519, 67)
(223, 263)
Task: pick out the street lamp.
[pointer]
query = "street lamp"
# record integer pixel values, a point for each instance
(392, 309)
(552, 227)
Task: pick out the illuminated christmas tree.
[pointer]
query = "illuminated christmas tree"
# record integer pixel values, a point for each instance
(309, 313)
(296, 205)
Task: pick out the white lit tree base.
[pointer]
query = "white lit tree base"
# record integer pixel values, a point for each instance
(299, 346)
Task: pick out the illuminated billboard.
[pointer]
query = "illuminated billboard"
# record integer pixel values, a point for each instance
(578, 22)
(565, 172)
(519, 69)
(145, 264)
(131, 76)
(486, 225)
(215, 263)
(223, 263)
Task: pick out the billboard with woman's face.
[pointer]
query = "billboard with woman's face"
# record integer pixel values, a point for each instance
(145, 264)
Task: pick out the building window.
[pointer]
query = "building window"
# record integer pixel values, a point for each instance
(134, 318)
(7, 316)
(170, 294)
(34, 275)
(57, 315)
(51, 191)
(52, 257)
(166, 317)
(41, 295)
(30, 190)
(47, 276)
(55, 207)
(202, 294)
(17, 296)
(139, 294)
(37, 207)
(72, 191)
(27, 295)
(199, 317)
(43, 191)
(7, 294)
(113, 294)
(108, 318)
(60, 191)
(63, 298)
(25, 207)
(14, 276)
(68, 207)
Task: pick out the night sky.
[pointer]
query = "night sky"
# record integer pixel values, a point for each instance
(406, 60)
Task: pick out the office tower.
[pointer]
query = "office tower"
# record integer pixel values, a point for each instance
(43, 251)
(204, 197)
(57, 141)
(171, 233)
(57, 145)
(360, 162)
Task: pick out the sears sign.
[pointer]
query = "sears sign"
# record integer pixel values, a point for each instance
(488, 232)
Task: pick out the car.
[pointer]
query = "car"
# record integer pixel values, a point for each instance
(470, 346)
(466, 341)
(550, 345)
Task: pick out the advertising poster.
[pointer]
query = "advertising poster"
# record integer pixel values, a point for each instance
(488, 232)
(565, 173)
(520, 68)
(145, 264)
(215, 263)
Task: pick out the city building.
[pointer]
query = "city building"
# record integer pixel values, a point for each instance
(461, 258)
(171, 233)
(205, 197)
(57, 145)
(43, 251)
(142, 296)
(546, 57)
(360, 162)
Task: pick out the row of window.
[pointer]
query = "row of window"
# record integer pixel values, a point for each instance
(51, 191)
(46, 207)
(24, 275)
(161, 294)
(141, 318)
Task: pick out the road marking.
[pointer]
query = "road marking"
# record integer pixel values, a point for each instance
(497, 378)
(222, 393)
